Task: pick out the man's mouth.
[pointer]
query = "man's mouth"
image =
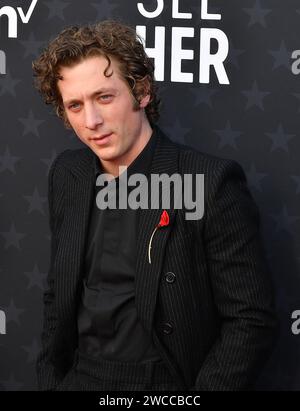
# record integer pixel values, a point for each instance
(101, 140)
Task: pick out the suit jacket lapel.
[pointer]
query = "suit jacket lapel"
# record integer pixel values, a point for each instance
(165, 160)
(79, 197)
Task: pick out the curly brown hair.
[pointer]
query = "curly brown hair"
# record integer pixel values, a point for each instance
(109, 38)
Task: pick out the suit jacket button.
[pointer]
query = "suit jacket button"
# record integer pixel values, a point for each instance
(167, 328)
(170, 277)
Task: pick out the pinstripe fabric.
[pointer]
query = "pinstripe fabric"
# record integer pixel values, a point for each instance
(220, 306)
(91, 374)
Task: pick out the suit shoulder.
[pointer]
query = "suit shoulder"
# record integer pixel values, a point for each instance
(193, 160)
(69, 159)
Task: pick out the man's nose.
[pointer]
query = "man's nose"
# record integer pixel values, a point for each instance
(93, 116)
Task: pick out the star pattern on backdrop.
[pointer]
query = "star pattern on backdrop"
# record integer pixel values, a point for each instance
(12, 237)
(31, 124)
(36, 202)
(233, 55)
(284, 221)
(8, 161)
(282, 57)
(255, 178)
(255, 97)
(204, 95)
(257, 14)
(13, 313)
(57, 8)
(228, 136)
(177, 131)
(280, 139)
(32, 46)
(104, 8)
(36, 278)
(8, 85)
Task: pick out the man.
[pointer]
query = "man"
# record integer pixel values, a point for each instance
(142, 299)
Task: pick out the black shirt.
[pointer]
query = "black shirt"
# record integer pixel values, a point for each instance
(107, 320)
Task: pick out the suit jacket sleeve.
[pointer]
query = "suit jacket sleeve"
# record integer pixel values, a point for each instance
(240, 283)
(47, 377)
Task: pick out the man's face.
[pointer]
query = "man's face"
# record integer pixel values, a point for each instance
(100, 110)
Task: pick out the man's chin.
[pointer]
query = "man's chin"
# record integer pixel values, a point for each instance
(104, 155)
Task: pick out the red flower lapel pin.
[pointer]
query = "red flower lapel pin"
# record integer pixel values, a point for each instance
(164, 221)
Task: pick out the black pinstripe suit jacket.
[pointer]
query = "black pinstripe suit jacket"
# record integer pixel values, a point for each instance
(214, 325)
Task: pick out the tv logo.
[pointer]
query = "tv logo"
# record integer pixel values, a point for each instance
(12, 17)
(2, 322)
(296, 324)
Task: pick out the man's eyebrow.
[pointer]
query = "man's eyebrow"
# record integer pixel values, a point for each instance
(95, 93)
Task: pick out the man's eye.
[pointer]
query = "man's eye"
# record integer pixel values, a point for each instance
(105, 97)
(74, 106)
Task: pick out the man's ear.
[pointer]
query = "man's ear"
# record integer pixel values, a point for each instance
(144, 93)
(145, 101)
